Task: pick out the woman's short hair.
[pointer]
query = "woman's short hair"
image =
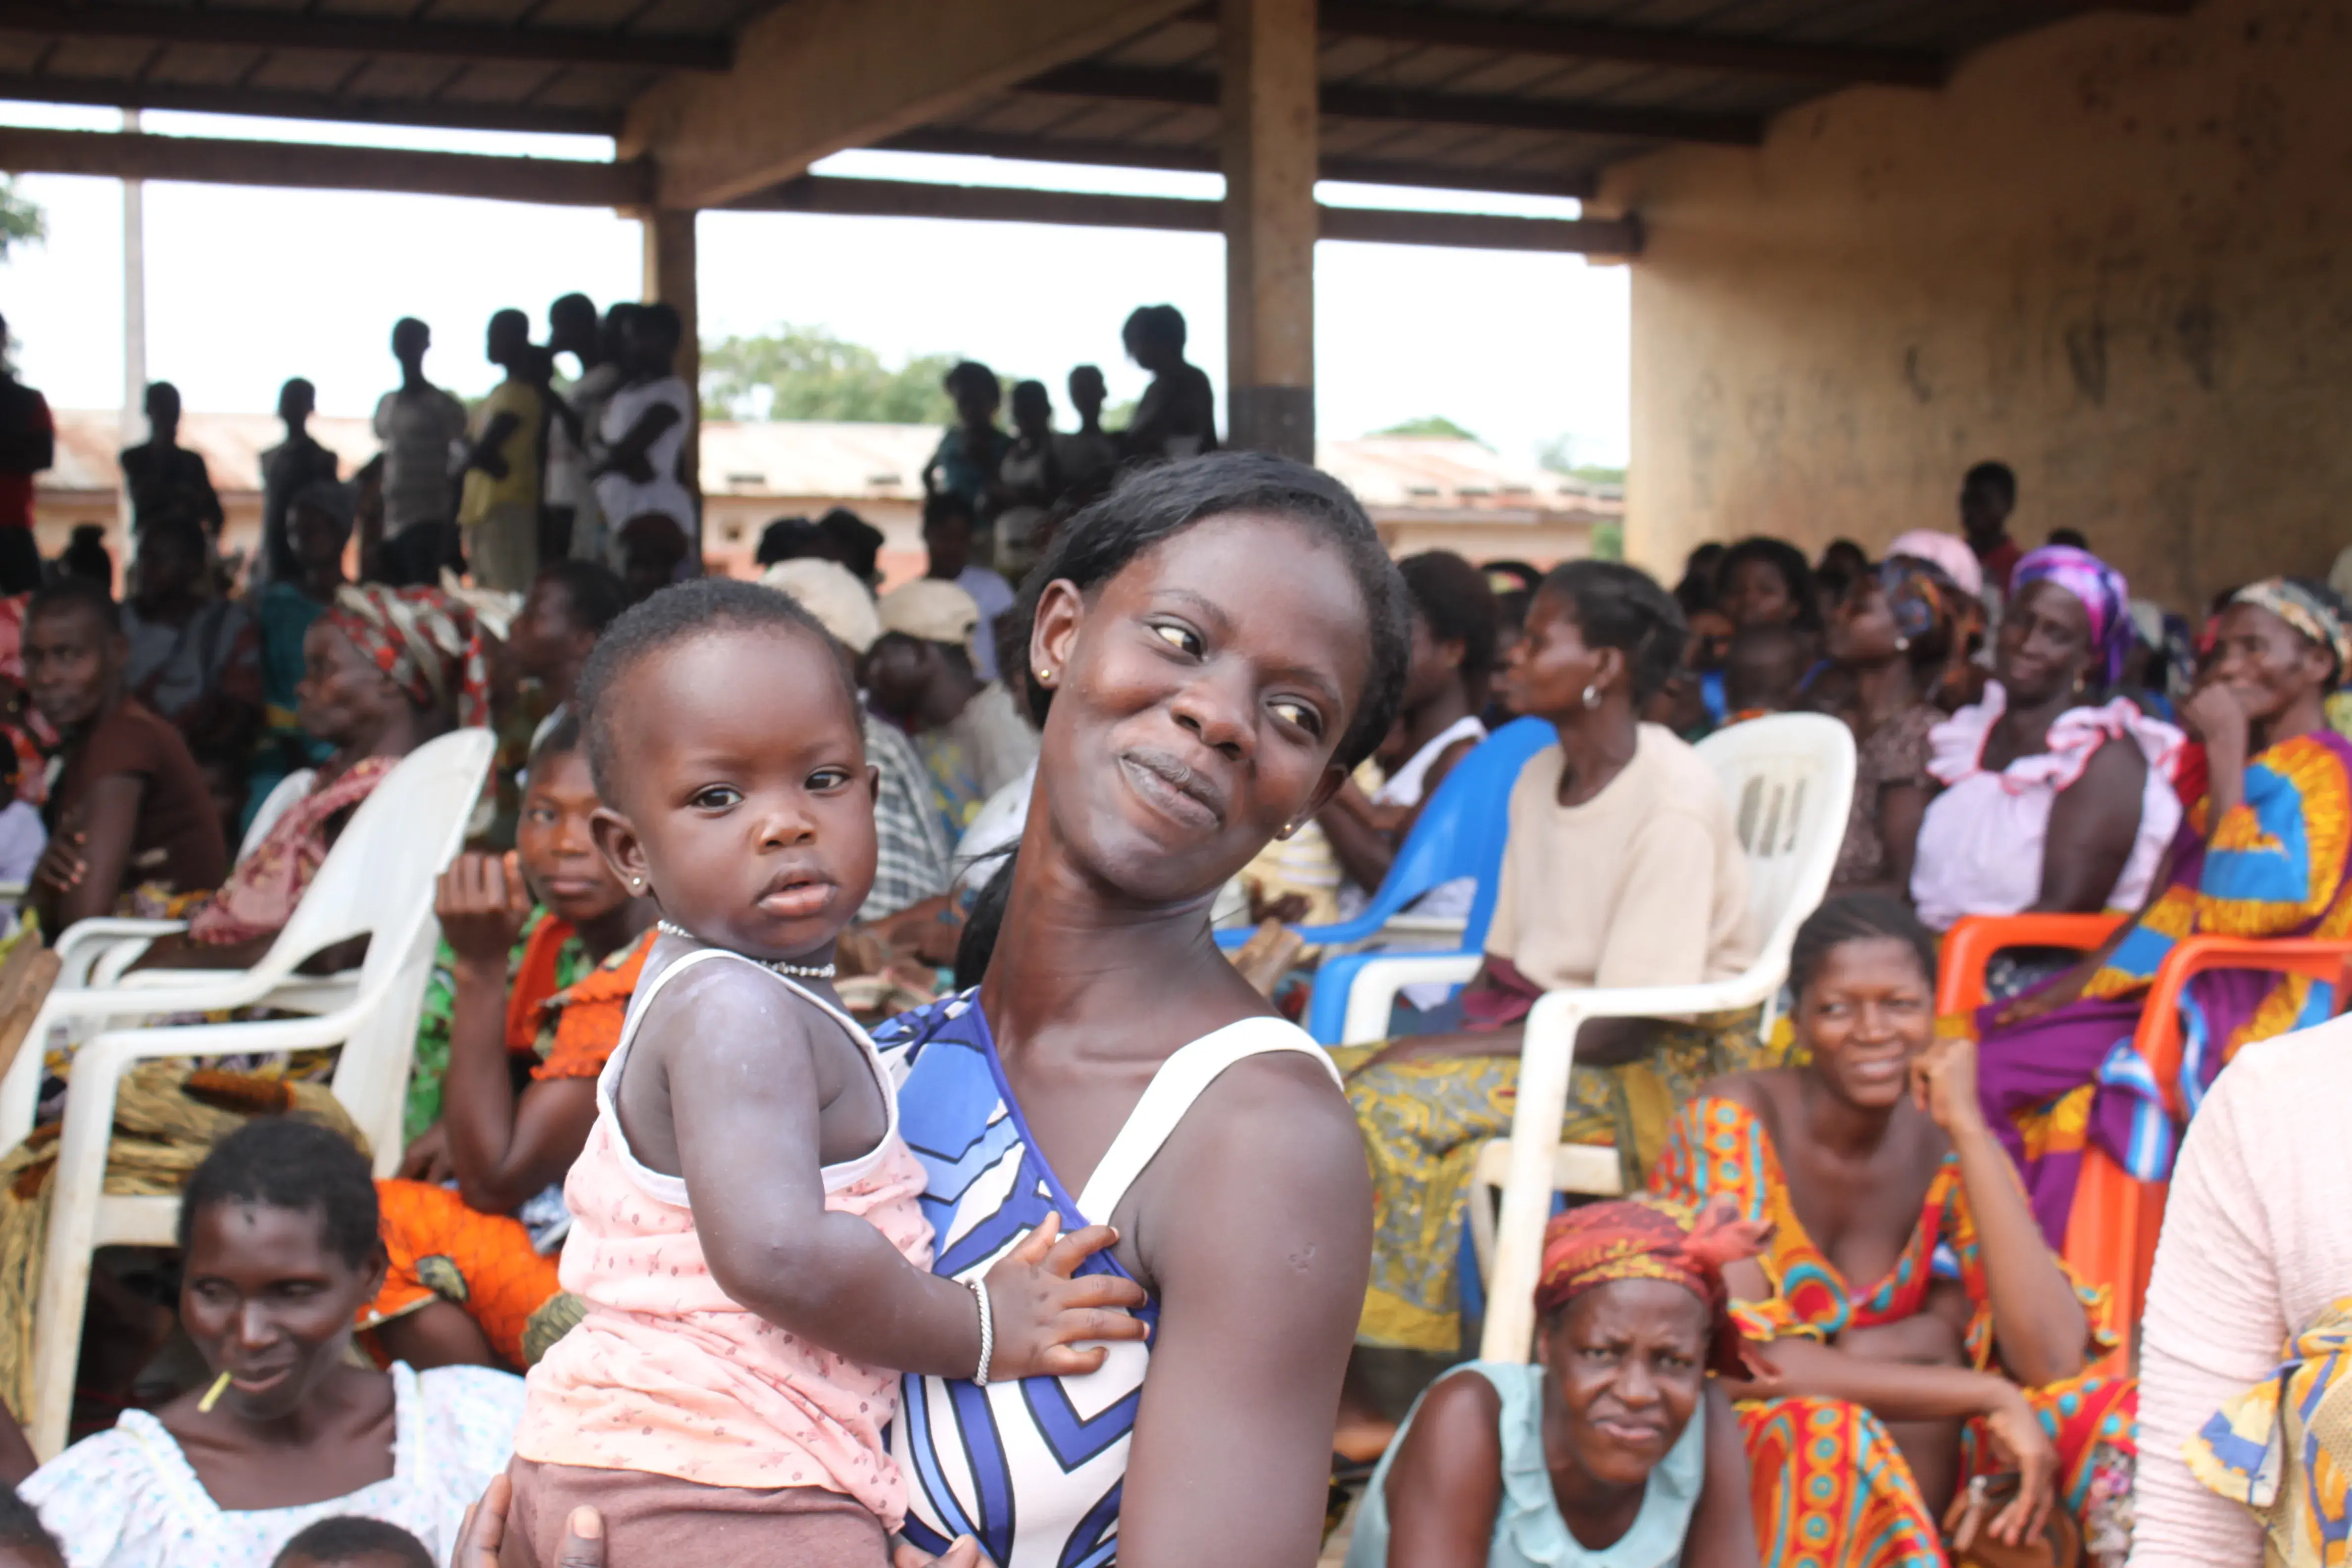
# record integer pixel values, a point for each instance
(1458, 602)
(1857, 917)
(1622, 606)
(1796, 573)
(286, 1163)
(1156, 503)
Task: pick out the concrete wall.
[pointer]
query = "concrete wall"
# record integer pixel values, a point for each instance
(2115, 253)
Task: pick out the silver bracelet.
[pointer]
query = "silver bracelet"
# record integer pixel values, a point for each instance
(987, 1331)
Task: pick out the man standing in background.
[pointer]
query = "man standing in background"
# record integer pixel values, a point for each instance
(423, 429)
(576, 528)
(289, 468)
(28, 443)
(499, 513)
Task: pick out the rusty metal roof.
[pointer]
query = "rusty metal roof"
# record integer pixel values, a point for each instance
(1529, 95)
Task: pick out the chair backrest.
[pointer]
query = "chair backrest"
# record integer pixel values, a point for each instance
(1789, 779)
(1460, 832)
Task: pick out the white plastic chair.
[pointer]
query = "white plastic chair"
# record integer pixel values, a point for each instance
(1790, 781)
(377, 881)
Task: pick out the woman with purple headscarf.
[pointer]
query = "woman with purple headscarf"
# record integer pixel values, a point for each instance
(2039, 812)
(2265, 852)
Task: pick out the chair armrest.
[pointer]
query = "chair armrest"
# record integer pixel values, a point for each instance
(2159, 1039)
(1973, 940)
(1369, 983)
(85, 942)
(1553, 1021)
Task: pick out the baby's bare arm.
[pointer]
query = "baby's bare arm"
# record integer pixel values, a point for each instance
(739, 1055)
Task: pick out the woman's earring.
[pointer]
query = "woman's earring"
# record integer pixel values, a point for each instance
(1591, 695)
(1902, 644)
(1045, 676)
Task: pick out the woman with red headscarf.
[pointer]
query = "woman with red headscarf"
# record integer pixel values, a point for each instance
(1613, 1450)
(384, 671)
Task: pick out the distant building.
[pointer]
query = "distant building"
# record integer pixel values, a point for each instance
(1423, 492)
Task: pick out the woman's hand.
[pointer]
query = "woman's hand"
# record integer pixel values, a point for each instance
(61, 867)
(2019, 1442)
(428, 1158)
(1041, 1308)
(2215, 715)
(2048, 998)
(485, 1531)
(482, 901)
(1944, 1084)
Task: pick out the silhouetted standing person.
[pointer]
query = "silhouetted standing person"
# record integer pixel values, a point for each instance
(422, 429)
(644, 429)
(576, 528)
(166, 479)
(1089, 455)
(499, 513)
(1988, 495)
(1178, 415)
(289, 468)
(28, 443)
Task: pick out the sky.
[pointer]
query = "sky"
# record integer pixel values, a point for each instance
(248, 285)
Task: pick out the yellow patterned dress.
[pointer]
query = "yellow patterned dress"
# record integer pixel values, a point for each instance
(2283, 1447)
(1831, 1489)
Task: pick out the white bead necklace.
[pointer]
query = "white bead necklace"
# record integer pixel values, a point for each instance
(777, 967)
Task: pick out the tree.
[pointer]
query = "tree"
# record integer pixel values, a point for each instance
(1435, 424)
(22, 221)
(806, 372)
(1559, 455)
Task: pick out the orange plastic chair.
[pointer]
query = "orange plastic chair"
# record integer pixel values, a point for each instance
(2111, 1232)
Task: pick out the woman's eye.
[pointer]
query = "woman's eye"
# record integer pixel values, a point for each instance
(1598, 1353)
(1179, 637)
(717, 797)
(1300, 714)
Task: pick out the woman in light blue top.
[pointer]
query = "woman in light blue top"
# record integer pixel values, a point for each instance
(1614, 1450)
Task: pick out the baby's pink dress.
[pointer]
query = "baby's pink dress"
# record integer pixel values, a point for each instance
(667, 1373)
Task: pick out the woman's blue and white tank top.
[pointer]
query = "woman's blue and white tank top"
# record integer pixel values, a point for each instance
(1529, 1530)
(1034, 1470)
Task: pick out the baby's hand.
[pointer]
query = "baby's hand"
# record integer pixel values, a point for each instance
(1040, 1308)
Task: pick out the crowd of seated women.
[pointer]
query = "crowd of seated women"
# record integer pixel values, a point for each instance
(1834, 1330)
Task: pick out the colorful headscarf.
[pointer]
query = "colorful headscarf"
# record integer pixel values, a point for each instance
(2104, 596)
(2301, 606)
(1948, 550)
(1919, 595)
(423, 640)
(1654, 1238)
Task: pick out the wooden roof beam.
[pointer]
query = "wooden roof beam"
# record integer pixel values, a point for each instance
(123, 93)
(1565, 38)
(817, 76)
(1351, 102)
(959, 141)
(136, 155)
(998, 204)
(356, 35)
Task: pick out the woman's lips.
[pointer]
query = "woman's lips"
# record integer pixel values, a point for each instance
(1175, 790)
(250, 1383)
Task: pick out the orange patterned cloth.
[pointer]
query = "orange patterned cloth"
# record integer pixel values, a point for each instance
(1829, 1488)
(442, 1250)
(579, 1028)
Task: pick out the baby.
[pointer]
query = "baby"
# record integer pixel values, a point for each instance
(745, 1232)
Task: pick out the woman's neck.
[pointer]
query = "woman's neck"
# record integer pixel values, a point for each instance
(2025, 725)
(1597, 1513)
(615, 928)
(1434, 717)
(1849, 1131)
(1882, 689)
(319, 582)
(1597, 744)
(403, 730)
(1083, 953)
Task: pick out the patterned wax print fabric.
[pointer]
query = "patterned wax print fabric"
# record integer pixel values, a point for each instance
(1425, 1121)
(546, 958)
(262, 890)
(128, 1498)
(502, 1269)
(425, 640)
(1831, 1490)
(2276, 867)
(2283, 1447)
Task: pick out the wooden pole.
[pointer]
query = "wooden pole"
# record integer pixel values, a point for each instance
(1270, 115)
(670, 277)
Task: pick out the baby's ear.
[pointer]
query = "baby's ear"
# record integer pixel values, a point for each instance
(616, 841)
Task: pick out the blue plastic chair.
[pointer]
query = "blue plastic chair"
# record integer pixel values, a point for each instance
(1459, 833)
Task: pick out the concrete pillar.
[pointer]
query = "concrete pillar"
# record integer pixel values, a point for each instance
(669, 278)
(1270, 123)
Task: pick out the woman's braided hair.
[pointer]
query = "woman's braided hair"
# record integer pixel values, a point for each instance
(1623, 607)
